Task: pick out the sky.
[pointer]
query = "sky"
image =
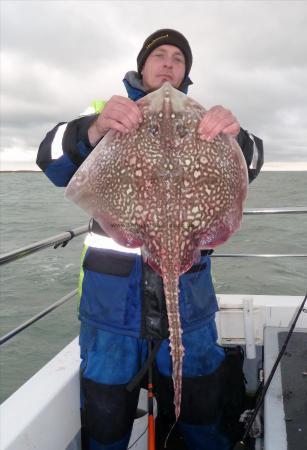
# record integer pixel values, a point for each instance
(57, 56)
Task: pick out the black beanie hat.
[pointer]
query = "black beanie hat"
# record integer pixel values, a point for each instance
(165, 36)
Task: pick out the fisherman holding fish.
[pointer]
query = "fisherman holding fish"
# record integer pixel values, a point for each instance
(122, 304)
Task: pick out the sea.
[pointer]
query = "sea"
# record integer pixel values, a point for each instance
(33, 209)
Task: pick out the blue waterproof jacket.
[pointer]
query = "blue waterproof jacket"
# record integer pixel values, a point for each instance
(111, 293)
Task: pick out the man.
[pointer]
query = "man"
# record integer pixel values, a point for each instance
(122, 304)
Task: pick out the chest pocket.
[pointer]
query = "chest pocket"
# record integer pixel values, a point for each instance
(109, 286)
(197, 296)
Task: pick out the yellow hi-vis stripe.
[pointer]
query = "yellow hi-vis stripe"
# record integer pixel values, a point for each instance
(98, 105)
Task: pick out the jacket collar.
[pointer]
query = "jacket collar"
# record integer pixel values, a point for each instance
(135, 89)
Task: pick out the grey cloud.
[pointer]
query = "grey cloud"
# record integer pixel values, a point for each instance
(63, 35)
(254, 34)
(270, 103)
(248, 56)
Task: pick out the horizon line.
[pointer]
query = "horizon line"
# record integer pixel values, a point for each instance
(269, 166)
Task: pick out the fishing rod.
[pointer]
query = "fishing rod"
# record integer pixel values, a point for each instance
(151, 419)
(153, 348)
(240, 445)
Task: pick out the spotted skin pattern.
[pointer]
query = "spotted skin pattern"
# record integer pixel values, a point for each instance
(164, 189)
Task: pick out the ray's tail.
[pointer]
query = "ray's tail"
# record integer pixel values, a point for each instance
(171, 289)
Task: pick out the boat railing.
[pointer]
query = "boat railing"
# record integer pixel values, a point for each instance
(56, 241)
(62, 239)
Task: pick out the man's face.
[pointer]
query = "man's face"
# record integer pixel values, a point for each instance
(165, 63)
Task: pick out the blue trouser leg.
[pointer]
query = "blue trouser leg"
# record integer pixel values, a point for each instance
(202, 388)
(108, 362)
(91, 444)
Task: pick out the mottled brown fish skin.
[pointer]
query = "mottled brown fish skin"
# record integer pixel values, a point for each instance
(164, 189)
(170, 246)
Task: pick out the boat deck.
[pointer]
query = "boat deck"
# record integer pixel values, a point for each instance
(286, 399)
(294, 387)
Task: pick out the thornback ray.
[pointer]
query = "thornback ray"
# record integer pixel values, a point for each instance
(165, 190)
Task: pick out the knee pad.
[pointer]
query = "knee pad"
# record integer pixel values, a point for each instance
(202, 398)
(218, 397)
(203, 437)
(108, 411)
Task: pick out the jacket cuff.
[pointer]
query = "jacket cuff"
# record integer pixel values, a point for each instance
(252, 149)
(83, 127)
(75, 140)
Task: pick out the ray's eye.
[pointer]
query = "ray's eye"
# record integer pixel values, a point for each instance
(181, 130)
(154, 130)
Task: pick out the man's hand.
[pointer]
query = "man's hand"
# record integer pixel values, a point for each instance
(120, 114)
(218, 120)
